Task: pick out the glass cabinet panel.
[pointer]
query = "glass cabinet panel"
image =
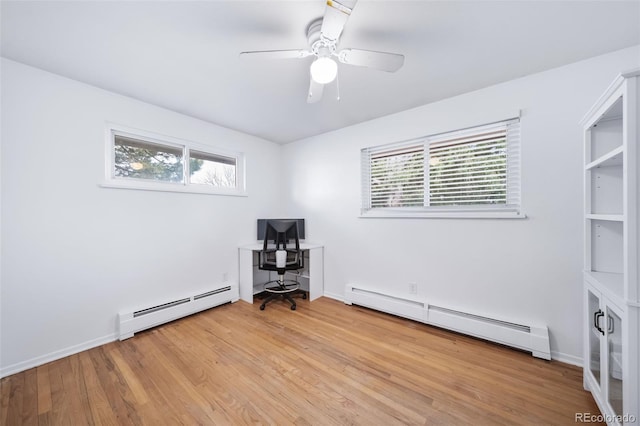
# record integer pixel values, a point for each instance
(614, 355)
(594, 336)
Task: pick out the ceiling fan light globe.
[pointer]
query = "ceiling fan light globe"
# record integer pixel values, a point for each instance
(324, 70)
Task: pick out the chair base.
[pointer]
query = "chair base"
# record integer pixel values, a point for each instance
(284, 289)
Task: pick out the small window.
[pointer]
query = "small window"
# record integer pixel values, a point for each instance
(469, 173)
(140, 160)
(211, 169)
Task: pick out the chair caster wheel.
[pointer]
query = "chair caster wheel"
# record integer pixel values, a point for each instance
(293, 307)
(262, 307)
(304, 296)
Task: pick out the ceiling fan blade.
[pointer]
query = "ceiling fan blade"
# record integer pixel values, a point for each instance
(276, 54)
(335, 16)
(315, 91)
(383, 61)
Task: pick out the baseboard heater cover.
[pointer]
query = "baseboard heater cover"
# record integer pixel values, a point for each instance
(134, 321)
(531, 338)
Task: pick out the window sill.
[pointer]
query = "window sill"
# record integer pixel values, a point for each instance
(171, 187)
(449, 214)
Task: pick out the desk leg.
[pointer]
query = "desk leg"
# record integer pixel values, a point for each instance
(316, 273)
(245, 262)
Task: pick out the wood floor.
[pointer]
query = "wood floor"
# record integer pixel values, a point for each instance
(325, 364)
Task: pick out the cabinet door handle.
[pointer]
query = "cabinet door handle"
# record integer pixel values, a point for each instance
(596, 320)
(610, 324)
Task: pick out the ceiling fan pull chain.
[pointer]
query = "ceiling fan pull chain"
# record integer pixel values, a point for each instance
(338, 86)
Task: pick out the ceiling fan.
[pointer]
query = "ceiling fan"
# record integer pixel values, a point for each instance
(323, 35)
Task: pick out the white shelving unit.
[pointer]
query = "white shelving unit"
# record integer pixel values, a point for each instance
(611, 289)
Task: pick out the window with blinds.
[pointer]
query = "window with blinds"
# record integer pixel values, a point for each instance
(397, 177)
(476, 169)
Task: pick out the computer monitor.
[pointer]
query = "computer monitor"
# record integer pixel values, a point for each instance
(262, 227)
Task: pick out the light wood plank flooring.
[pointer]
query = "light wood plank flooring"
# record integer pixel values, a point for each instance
(325, 364)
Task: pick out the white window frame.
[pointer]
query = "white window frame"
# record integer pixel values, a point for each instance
(510, 210)
(111, 181)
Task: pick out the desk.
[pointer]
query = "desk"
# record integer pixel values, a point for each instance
(252, 279)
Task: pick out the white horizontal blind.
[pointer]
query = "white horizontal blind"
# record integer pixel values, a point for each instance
(514, 170)
(472, 169)
(394, 175)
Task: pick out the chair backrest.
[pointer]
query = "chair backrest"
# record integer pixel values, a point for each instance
(281, 247)
(279, 233)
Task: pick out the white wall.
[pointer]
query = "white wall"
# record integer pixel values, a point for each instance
(75, 254)
(527, 270)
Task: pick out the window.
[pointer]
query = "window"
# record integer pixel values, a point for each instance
(145, 160)
(469, 173)
(140, 160)
(212, 169)
(397, 177)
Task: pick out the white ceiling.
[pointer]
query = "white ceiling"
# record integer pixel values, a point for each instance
(183, 55)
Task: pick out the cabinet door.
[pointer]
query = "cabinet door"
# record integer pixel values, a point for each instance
(614, 359)
(594, 316)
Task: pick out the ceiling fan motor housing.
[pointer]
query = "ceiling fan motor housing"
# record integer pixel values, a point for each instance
(321, 46)
(314, 30)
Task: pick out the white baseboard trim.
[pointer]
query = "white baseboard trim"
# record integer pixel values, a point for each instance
(72, 350)
(566, 358)
(56, 355)
(206, 299)
(334, 296)
(555, 355)
(142, 318)
(531, 337)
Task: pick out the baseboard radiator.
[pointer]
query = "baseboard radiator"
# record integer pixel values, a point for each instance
(530, 338)
(141, 319)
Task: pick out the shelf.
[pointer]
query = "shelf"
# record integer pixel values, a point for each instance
(613, 282)
(301, 275)
(606, 135)
(613, 113)
(609, 217)
(610, 159)
(605, 184)
(607, 246)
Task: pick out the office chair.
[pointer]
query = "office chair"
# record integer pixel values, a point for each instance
(281, 252)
